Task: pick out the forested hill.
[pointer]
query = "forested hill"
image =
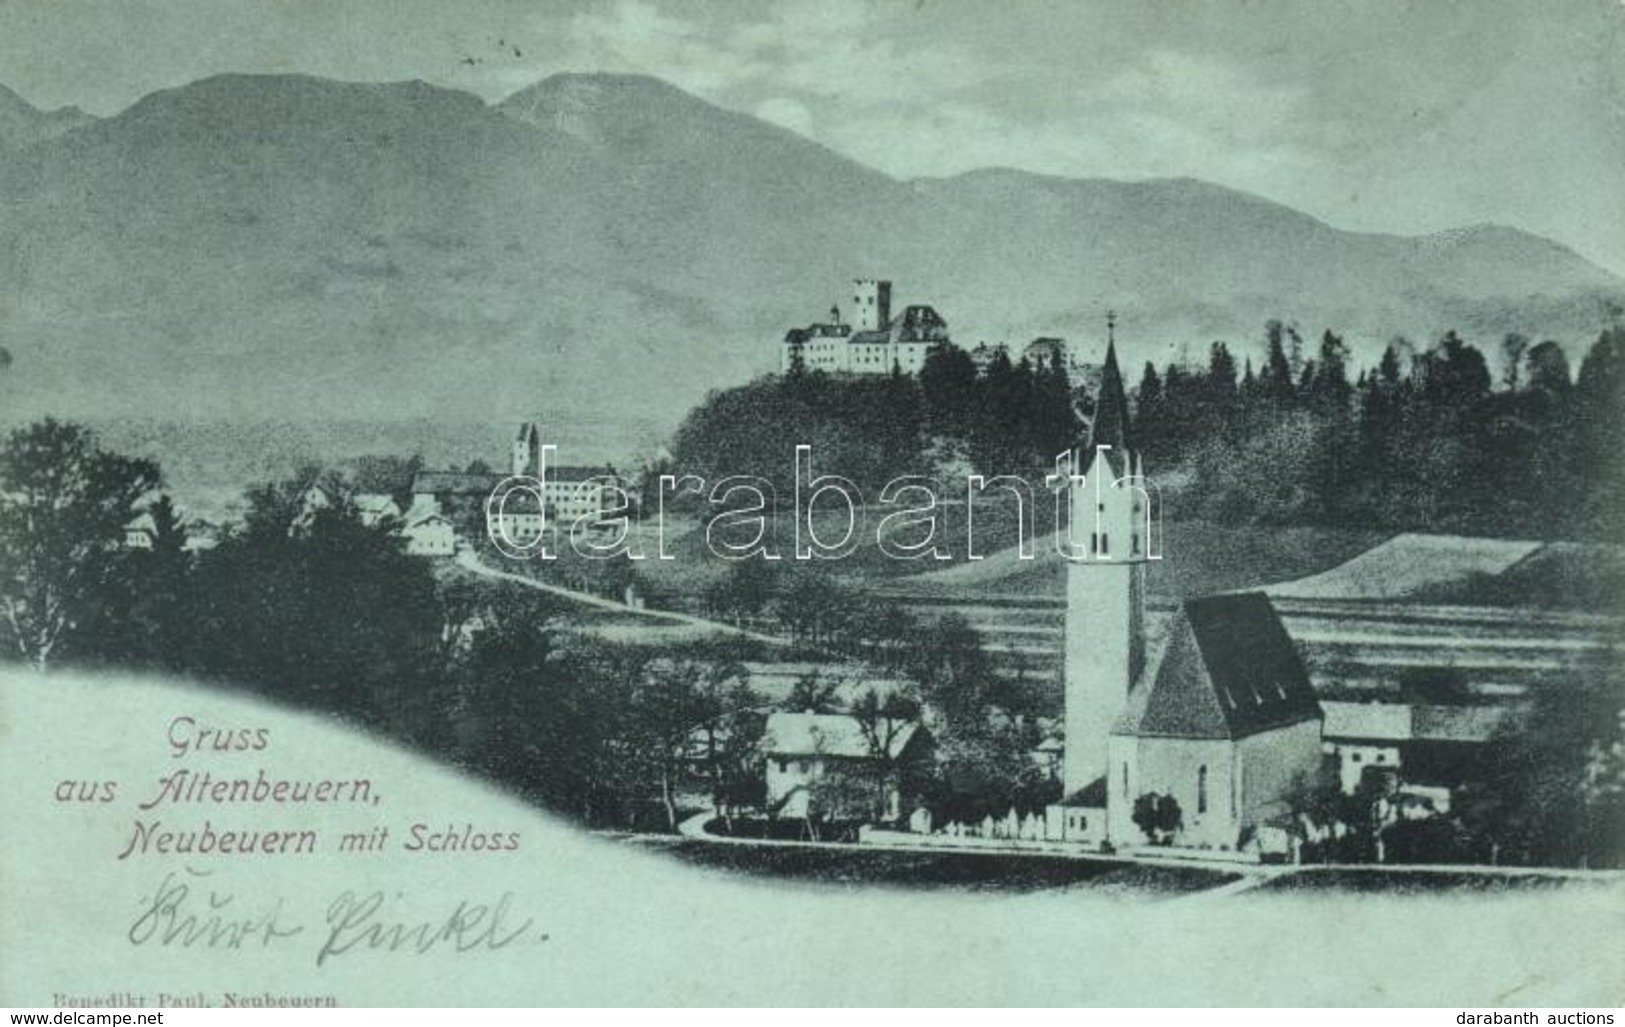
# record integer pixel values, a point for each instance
(1286, 431)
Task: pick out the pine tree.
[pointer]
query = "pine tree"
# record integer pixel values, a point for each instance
(1277, 376)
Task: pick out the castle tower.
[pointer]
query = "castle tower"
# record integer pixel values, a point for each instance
(872, 302)
(527, 452)
(1105, 588)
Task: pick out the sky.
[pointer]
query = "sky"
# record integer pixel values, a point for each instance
(1406, 116)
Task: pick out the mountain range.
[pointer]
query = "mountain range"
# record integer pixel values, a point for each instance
(290, 247)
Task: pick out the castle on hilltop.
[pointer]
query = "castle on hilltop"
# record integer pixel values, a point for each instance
(875, 342)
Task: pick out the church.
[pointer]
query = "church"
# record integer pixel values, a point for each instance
(1224, 722)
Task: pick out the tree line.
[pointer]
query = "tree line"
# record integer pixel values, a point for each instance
(1426, 440)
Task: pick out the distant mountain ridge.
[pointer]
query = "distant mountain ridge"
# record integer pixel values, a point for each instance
(21, 123)
(287, 246)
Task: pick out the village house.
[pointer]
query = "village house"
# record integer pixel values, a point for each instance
(374, 508)
(428, 532)
(805, 751)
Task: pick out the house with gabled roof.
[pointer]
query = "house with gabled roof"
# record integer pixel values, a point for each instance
(1227, 724)
(803, 750)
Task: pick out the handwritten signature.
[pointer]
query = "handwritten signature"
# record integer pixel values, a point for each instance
(182, 914)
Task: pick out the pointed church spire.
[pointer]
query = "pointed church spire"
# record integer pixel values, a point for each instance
(1111, 424)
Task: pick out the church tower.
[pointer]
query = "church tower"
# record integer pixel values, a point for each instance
(1105, 586)
(527, 451)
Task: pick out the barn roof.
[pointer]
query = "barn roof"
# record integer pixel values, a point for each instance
(1229, 671)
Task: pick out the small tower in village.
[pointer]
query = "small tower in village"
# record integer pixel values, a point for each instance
(527, 452)
(1105, 590)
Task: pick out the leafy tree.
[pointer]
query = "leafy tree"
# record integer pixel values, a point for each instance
(814, 608)
(320, 609)
(1599, 433)
(1513, 347)
(842, 795)
(1454, 373)
(678, 712)
(883, 721)
(64, 506)
(984, 768)
(1548, 369)
(948, 384)
(955, 677)
(1159, 816)
(145, 621)
(813, 693)
(1555, 794)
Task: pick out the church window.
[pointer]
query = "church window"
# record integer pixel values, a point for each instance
(1125, 780)
(1201, 789)
(1105, 541)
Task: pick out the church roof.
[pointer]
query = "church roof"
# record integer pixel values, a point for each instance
(1229, 671)
(1091, 795)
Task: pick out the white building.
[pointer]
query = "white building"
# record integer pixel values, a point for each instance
(373, 508)
(1228, 726)
(141, 532)
(430, 534)
(804, 750)
(875, 344)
